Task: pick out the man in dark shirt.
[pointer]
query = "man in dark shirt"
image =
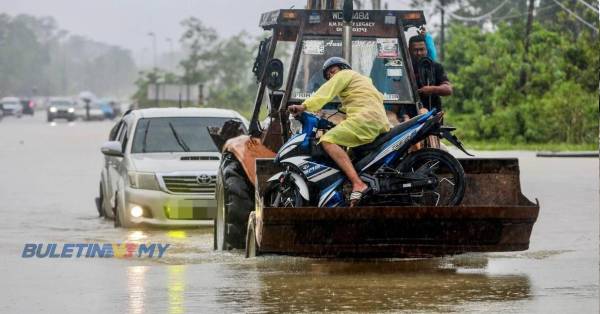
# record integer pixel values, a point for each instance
(432, 82)
(434, 85)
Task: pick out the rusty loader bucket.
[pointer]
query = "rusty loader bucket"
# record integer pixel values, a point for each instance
(493, 217)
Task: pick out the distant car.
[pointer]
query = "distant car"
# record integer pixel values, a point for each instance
(115, 108)
(28, 106)
(60, 108)
(96, 111)
(11, 106)
(160, 167)
(1, 112)
(107, 109)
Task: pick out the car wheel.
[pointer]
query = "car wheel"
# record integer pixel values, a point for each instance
(235, 201)
(100, 201)
(117, 210)
(121, 218)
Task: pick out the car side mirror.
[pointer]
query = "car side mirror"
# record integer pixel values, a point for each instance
(274, 74)
(112, 148)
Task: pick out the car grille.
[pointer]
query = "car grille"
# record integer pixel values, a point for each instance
(190, 184)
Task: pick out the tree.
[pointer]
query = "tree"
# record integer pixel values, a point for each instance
(201, 43)
(557, 105)
(36, 57)
(232, 84)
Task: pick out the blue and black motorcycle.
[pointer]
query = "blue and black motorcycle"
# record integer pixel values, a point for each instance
(396, 176)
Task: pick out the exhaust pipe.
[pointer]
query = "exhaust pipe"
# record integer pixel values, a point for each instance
(348, 10)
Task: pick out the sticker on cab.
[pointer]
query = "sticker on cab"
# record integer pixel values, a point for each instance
(394, 72)
(313, 47)
(390, 19)
(387, 47)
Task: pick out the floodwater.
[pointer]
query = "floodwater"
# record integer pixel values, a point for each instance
(49, 176)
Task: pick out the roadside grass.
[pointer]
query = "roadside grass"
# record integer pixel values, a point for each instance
(551, 147)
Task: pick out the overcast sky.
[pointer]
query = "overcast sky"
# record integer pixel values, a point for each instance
(126, 23)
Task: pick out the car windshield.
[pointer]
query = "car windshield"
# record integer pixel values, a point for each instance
(177, 134)
(378, 58)
(61, 103)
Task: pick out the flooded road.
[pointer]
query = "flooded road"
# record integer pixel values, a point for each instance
(49, 176)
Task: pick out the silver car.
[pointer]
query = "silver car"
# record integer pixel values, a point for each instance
(11, 106)
(160, 167)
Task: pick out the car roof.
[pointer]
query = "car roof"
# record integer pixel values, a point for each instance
(60, 99)
(186, 112)
(9, 99)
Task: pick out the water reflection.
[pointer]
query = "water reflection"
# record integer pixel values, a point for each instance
(136, 235)
(176, 288)
(378, 286)
(136, 280)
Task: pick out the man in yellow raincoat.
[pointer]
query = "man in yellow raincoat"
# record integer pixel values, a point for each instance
(365, 116)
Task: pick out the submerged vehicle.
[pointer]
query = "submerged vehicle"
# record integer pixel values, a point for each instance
(264, 203)
(160, 167)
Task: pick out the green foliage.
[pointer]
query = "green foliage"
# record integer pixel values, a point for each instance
(559, 102)
(201, 42)
(222, 66)
(233, 86)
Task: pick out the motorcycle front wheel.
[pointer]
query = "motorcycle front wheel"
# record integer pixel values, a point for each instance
(284, 194)
(447, 172)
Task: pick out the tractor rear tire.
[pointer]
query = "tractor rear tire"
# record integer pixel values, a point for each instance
(252, 247)
(238, 201)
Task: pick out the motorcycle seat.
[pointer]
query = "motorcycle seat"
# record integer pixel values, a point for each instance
(360, 151)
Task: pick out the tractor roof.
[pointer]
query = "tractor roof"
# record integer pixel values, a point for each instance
(325, 20)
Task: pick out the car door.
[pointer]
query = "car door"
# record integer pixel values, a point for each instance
(120, 164)
(106, 184)
(113, 163)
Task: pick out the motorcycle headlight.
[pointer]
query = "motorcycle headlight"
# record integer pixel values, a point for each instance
(53, 109)
(71, 110)
(143, 180)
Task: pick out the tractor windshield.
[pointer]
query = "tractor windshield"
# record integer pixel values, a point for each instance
(378, 58)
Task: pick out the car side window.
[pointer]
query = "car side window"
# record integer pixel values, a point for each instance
(112, 136)
(123, 136)
(122, 127)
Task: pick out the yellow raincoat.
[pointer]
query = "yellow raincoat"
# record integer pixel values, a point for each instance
(363, 104)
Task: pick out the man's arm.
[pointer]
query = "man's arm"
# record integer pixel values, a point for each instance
(444, 89)
(442, 86)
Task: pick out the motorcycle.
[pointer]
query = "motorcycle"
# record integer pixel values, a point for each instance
(394, 174)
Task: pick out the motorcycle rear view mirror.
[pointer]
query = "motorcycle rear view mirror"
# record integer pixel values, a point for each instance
(274, 72)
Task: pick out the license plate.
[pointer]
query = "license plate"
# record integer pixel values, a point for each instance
(187, 209)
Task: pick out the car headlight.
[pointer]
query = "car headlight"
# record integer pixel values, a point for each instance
(53, 109)
(143, 180)
(71, 110)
